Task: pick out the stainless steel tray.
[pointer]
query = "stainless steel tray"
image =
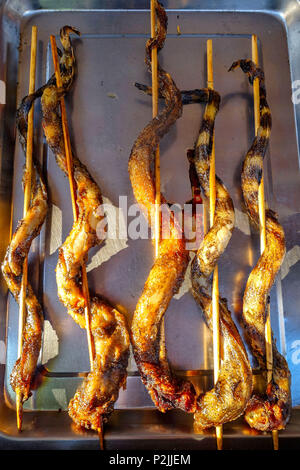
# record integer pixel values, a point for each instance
(106, 114)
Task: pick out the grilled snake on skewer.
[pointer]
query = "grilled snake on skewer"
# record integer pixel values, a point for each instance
(228, 399)
(27, 230)
(95, 398)
(166, 276)
(272, 410)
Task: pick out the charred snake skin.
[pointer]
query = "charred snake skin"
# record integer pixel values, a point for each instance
(95, 398)
(229, 397)
(27, 230)
(167, 273)
(270, 411)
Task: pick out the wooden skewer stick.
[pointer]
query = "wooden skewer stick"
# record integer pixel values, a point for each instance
(100, 435)
(154, 114)
(262, 225)
(69, 159)
(27, 199)
(154, 67)
(68, 150)
(215, 286)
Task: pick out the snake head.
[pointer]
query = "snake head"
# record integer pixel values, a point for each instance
(65, 32)
(249, 68)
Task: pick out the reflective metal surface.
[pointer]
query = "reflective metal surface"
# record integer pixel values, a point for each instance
(106, 114)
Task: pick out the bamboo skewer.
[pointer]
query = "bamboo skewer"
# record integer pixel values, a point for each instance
(27, 199)
(262, 225)
(154, 66)
(206, 334)
(68, 150)
(215, 286)
(73, 196)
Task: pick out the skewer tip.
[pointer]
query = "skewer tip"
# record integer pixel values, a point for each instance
(254, 40)
(209, 50)
(19, 409)
(275, 440)
(100, 435)
(219, 437)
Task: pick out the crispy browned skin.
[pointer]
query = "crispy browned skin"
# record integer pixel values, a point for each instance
(94, 400)
(272, 410)
(166, 276)
(228, 399)
(27, 230)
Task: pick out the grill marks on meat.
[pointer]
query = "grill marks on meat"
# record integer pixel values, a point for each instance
(27, 230)
(228, 399)
(167, 273)
(94, 400)
(270, 411)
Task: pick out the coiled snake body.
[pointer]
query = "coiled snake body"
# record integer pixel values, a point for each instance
(12, 268)
(271, 411)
